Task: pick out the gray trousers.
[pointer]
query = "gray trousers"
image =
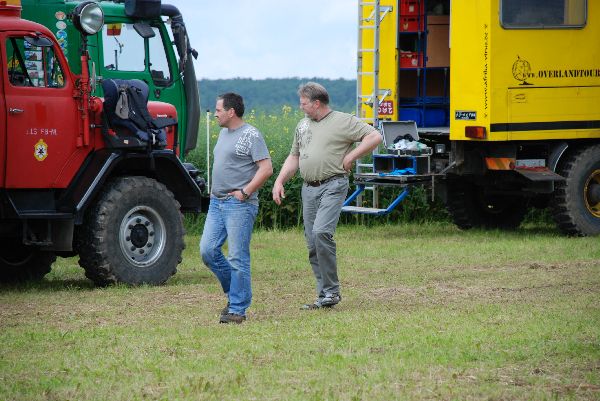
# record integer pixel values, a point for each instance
(321, 208)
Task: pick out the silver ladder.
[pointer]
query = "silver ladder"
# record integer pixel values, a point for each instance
(373, 98)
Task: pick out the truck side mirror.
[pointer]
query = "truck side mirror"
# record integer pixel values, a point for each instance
(144, 30)
(38, 41)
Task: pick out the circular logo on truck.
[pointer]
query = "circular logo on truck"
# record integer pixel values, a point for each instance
(521, 70)
(40, 150)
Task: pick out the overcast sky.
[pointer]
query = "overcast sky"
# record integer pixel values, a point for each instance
(272, 38)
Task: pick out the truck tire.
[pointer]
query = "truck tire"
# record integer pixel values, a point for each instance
(576, 202)
(133, 234)
(19, 263)
(471, 208)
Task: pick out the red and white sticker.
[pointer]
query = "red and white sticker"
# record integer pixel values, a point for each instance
(386, 108)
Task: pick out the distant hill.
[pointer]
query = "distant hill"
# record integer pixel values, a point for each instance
(272, 93)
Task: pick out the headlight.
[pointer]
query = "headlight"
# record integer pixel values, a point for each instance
(88, 18)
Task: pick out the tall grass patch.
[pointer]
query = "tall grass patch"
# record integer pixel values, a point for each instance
(278, 130)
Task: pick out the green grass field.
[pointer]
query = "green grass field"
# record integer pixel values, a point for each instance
(428, 313)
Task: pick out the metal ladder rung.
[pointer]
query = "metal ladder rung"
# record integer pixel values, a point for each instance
(366, 50)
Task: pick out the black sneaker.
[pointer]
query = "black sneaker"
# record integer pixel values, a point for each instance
(225, 310)
(232, 318)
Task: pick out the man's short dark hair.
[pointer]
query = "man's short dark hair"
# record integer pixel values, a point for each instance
(314, 91)
(233, 101)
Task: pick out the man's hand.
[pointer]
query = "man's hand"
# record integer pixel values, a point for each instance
(278, 193)
(347, 163)
(365, 146)
(237, 195)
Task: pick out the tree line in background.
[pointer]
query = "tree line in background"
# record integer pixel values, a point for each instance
(272, 94)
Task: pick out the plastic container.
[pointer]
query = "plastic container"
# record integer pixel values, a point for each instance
(411, 114)
(411, 7)
(411, 24)
(411, 59)
(435, 117)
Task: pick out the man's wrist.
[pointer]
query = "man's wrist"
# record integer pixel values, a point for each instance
(244, 194)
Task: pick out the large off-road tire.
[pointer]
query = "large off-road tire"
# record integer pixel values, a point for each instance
(576, 202)
(471, 207)
(23, 263)
(133, 234)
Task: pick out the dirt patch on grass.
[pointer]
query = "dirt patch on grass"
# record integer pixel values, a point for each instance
(102, 307)
(444, 293)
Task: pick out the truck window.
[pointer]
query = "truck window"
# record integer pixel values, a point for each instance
(547, 14)
(123, 48)
(159, 65)
(33, 66)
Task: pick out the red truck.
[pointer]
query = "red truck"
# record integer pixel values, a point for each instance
(71, 181)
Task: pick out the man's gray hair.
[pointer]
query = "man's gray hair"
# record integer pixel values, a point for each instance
(314, 91)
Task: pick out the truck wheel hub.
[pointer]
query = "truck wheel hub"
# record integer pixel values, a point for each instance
(592, 193)
(142, 235)
(139, 236)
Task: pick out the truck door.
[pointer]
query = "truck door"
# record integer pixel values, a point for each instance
(41, 113)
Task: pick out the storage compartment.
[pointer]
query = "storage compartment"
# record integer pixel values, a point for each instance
(438, 81)
(438, 7)
(408, 85)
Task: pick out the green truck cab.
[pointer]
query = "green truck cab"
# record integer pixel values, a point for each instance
(141, 39)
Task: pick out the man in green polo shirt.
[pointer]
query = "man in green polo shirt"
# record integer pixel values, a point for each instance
(323, 149)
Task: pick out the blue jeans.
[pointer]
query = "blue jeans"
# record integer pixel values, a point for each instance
(232, 220)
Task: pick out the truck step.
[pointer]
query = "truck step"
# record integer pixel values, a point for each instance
(365, 210)
(539, 174)
(360, 188)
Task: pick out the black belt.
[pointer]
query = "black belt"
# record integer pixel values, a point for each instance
(321, 182)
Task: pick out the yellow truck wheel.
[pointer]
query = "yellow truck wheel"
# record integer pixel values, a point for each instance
(576, 203)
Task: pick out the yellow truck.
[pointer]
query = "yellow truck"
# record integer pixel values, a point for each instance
(500, 99)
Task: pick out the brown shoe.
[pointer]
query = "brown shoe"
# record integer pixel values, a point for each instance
(232, 318)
